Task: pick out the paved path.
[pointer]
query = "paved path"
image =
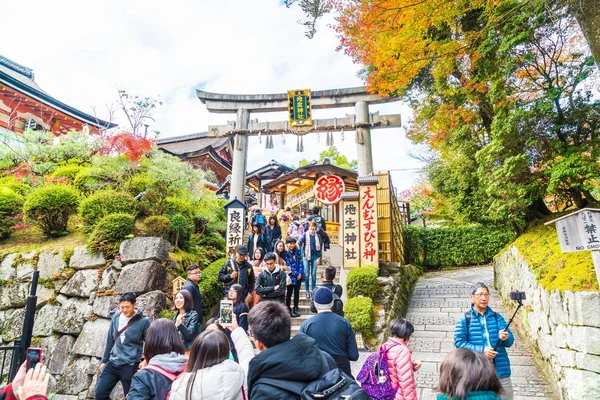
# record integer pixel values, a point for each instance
(438, 300)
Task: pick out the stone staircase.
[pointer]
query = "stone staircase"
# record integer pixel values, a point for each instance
(304, 303)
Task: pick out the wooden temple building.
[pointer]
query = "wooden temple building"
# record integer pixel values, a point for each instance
(24, 105)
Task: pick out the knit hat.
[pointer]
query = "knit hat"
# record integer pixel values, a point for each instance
(323, 298)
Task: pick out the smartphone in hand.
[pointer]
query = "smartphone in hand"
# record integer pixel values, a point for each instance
(34, 356)
(226, 312)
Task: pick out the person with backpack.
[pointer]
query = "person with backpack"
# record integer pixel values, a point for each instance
(123, 349)
(480, 328)
(338, 305)
(270, 284)
(258, 239)
(316, 216)
(399, 360)
(293, 259)
(258, 218)
(296, 229)
(333, 333)
(237, 270)
(468, 375)
(210, 374)
(165, 353)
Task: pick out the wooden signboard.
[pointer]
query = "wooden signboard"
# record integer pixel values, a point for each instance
(369, 234)
(178, 284)
(299, 107)
(351, 231)
(299, 195)
(236, 211)
(333, 230)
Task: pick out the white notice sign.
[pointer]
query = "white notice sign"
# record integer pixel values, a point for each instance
(579, 232)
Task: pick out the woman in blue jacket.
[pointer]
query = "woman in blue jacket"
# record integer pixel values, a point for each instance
(480, 328)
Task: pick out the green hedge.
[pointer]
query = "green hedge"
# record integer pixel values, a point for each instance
(158, 225)
(109, 232)
(68, 171)
(10, 207)
(454, 246)
(363, 281)
(359, 312)
(210, 287)
(105, 202)
(50, 207)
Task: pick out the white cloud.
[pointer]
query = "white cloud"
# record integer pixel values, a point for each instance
(80, 51)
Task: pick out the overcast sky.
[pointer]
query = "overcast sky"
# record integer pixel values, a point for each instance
(82, 51)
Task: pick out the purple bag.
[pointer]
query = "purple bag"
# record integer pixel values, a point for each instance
(374, 376)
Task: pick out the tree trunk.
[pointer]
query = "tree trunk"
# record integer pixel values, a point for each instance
(536, 209)
(587, 13)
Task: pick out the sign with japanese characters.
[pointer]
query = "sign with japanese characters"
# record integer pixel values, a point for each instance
(579, 231)
(350, 233)
(329, 189)
(236, 211)
(177, 284)
(299, 195)
(299, 107)
(369, 243)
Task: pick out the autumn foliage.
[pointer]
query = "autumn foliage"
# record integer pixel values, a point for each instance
(134, 147)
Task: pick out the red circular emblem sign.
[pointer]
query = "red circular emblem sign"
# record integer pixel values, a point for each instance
(329, 188)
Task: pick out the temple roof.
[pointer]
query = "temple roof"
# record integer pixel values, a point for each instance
(312, 172)
(186, 145)
(21, 79)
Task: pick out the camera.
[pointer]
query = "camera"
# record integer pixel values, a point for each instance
(518, 296)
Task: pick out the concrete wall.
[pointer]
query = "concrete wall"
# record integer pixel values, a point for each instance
(564, 326)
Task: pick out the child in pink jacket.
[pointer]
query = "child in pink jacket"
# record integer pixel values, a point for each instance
(399, 357)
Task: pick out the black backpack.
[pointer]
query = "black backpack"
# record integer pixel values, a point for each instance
(338, 304)
(335, 384)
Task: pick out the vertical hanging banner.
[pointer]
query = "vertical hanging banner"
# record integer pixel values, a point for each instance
(235, 211)
(369, 243)
(350, 230)
(299, 107)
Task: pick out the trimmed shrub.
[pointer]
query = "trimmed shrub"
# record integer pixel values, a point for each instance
(110, 232)
(210, 287)
(10, 207)
(363, 281)
(454, 246)
(359, 312)
(158, 225)
(50, 207)
(68, 171)
(15, 185)
(106, 202)
(138, 184)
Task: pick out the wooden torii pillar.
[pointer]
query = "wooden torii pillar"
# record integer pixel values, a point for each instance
(244, 104)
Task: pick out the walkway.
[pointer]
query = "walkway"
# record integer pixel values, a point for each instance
(439, 299)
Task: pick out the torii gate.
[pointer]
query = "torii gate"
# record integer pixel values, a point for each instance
(244, 104)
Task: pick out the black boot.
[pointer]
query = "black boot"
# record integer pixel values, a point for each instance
(295, 313)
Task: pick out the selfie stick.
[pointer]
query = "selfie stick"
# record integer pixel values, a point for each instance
(509, 322)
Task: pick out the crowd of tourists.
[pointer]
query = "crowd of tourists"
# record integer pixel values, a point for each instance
(254, 356)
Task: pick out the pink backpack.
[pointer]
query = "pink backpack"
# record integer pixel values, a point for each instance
(169, 375)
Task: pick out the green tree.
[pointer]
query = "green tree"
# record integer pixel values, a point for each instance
(335, 158)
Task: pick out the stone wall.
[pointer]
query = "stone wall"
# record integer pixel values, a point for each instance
(564, 326)
(398, 282)
(76, 295)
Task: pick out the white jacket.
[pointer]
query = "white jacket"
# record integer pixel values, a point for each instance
(223, 381)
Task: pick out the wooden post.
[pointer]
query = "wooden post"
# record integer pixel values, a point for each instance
(596, 260)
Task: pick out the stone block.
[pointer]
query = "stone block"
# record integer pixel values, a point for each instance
(14, 325)
(7, 271)
(72, 316)
(152, 303)
(558, 313)
(103, 305)
(75, 378)
(65, 397)
(49, 264)
(109, 278)
(144, 248)
(45, 318)
(584, 308)
(13, 295)
(565, 357)
(141, 277)
(62, 356)
(588, 362)
(48, 344)
(562, 336)
(92, 339)
(82, 259)
(81, 284)
(93, 367)
(43, 295)
(585, 339)
(579, 384)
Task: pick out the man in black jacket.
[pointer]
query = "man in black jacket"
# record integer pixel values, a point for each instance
(281, 360)
(194, 276)
(271, 281)
(329, 284)
(237, 270)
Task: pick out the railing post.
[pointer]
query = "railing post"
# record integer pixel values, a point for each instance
(29, 317)
(14, 361)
